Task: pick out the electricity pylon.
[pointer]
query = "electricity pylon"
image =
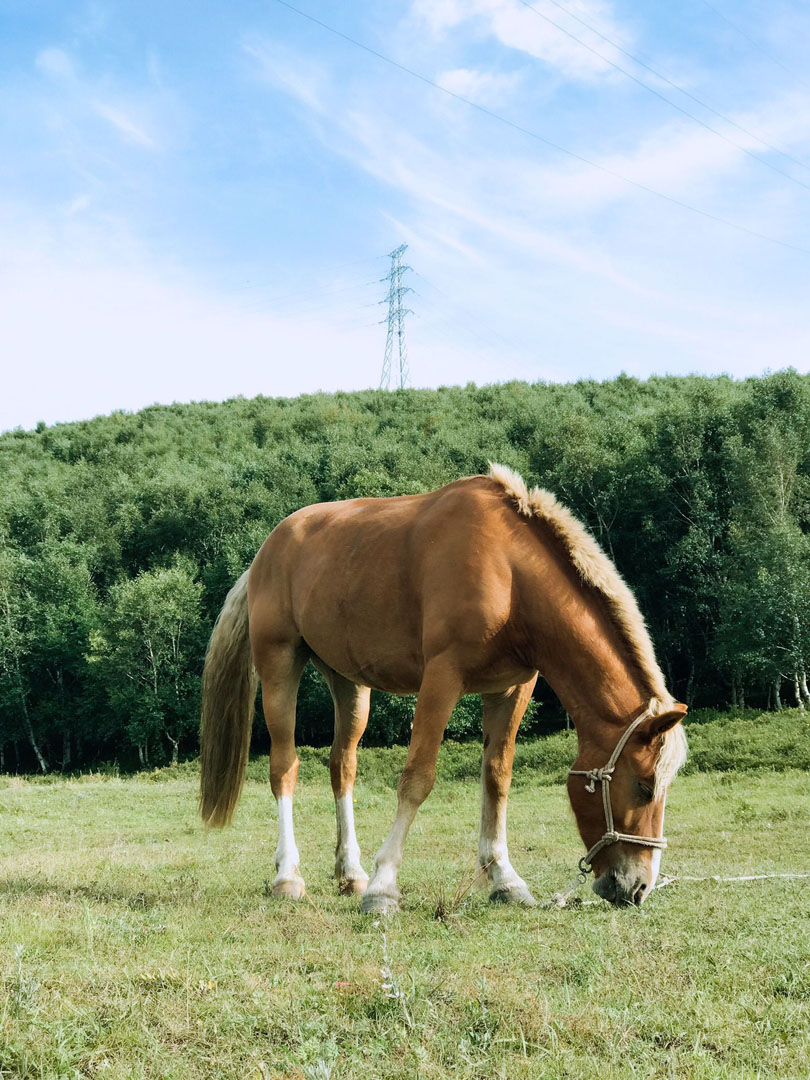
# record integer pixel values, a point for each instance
(396, 318)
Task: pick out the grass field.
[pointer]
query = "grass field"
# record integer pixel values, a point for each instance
(132, 945)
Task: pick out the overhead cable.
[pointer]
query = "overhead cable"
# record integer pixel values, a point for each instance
(542, 138)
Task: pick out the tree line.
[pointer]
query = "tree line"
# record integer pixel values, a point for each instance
(120, 536)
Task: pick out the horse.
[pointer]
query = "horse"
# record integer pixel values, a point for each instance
(473, 588)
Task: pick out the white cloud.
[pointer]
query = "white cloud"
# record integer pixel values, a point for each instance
(124, 124)
(684, 161)
(518, 27)
(484, 87)
(523, 192)
(551, 211)
(56, 64)
(597, 275)
(78, 205)
(71, 97)
(288, 71)
(536, 266)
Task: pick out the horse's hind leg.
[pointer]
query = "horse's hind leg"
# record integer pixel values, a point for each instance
(502, 715)
(280, 668)
(351, 716)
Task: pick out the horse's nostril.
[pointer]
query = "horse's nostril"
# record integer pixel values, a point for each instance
(639, 893)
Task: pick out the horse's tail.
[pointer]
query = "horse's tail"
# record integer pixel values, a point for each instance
(228, 700)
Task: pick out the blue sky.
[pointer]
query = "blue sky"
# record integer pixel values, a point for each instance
(195, 200)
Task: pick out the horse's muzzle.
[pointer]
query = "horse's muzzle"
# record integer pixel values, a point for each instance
(622, 887)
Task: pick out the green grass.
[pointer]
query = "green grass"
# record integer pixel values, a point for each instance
(132, 945)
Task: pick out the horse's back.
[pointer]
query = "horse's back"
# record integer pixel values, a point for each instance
(374, 586)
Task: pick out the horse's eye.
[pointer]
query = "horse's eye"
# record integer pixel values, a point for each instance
(645, 791)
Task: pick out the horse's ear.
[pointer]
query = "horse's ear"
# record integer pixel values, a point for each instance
(658, 725)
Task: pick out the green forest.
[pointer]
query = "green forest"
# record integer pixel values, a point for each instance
(120, 536)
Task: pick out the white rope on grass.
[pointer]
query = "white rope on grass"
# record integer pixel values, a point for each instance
(717, 877)
(561, 899)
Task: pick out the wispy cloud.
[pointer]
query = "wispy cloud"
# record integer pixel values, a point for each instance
(484, 87)
(682, 160)
(603, 249)
(287, 70)
(78, 205)
(528, 186)
(78, 95)
(123, 124)
(524, 30)
(55, 63)
(149, 182)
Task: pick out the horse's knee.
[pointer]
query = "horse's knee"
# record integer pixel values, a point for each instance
(416, 783)
(496, 779)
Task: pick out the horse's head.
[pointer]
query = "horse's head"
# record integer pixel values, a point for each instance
(617, 789)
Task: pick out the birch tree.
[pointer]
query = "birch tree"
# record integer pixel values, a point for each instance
(151, 653)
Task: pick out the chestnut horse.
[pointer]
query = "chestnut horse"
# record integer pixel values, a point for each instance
(470, 589)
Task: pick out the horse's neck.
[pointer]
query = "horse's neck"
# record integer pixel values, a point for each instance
(596, 689)
(581, 653)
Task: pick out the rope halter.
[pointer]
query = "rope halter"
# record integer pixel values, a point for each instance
(603, 776)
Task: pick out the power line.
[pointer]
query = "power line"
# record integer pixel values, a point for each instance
(663, 97)
(472, 317)
(294, 298)
(298, 313)
(675, 86)
(757, 44)
(548, 142)
(307, 272)
(396, 319)
(454, 327)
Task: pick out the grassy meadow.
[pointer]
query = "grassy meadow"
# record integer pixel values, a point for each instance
(133, 945)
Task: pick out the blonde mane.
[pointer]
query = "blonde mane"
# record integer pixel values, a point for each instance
(597, 570)
(673, 755)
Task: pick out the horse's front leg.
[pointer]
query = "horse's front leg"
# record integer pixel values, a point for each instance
(502, 715)
(440, 690)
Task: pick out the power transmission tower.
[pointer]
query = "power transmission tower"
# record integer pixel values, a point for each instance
(396, 318)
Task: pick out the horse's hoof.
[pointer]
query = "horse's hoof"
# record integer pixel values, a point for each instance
(518, 895)
(290, 890)
(379, 904)
(352, 886)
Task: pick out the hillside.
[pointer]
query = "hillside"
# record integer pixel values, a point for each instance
(119, 537)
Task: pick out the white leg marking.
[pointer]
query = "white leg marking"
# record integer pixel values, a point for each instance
(287, 857)
(493, 852)
(383, 885)
(347, 857)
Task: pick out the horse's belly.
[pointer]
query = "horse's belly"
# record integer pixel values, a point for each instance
(381, 656)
